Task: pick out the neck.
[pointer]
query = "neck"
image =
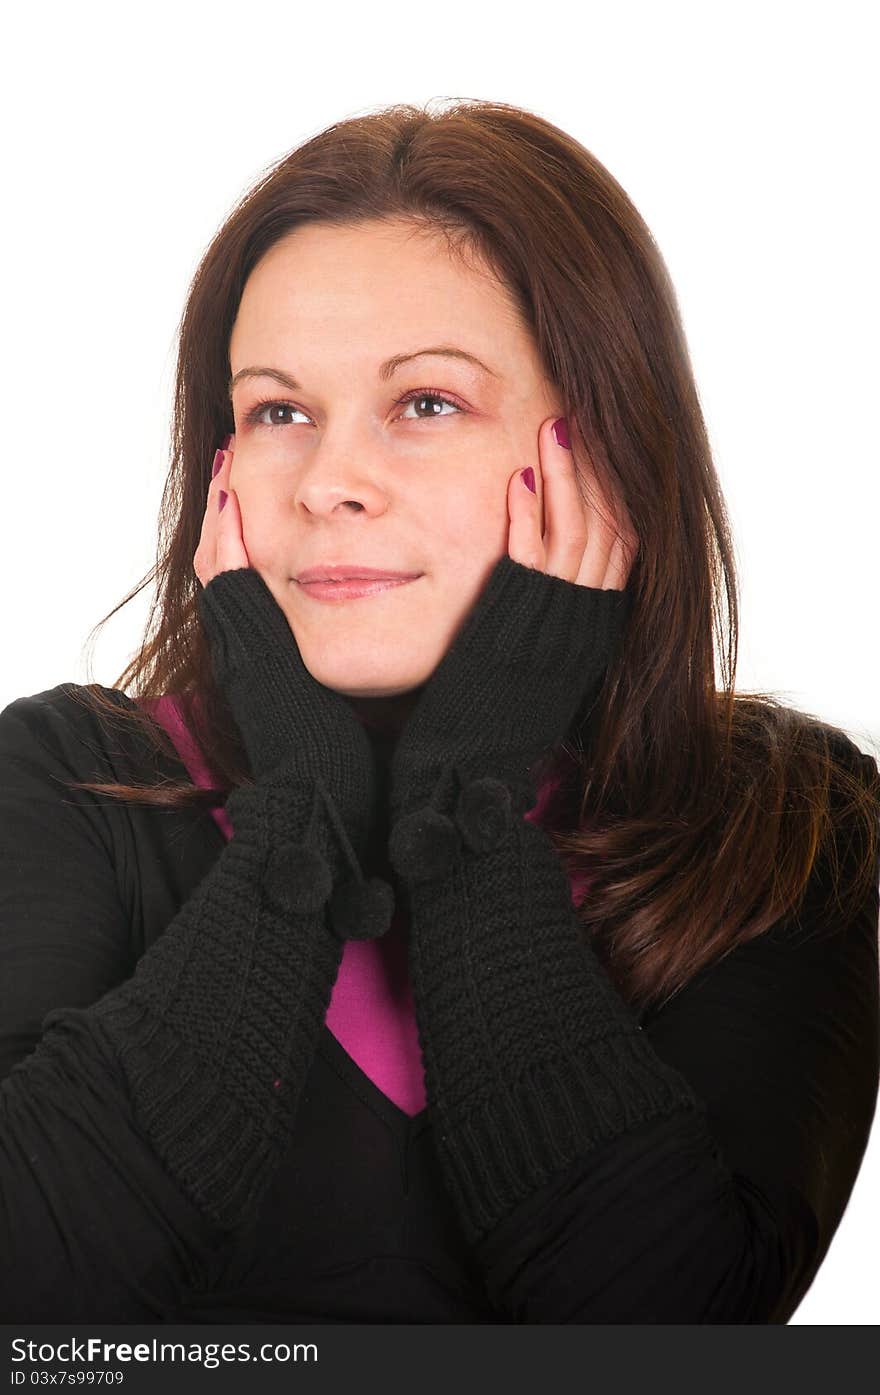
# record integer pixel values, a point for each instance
(385, 717)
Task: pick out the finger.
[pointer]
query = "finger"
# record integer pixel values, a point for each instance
(524, 542)
(612, 524)
(618, 567)
(231, 551)
(565, 519)
(625, 547)
(220, 548)
(204, 559)
(604, 564)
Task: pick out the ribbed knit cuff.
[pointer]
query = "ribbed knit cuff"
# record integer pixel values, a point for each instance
(288, 720)
(531, 653)
(502, 1148)
(532, 1058)
(218, 1025)
(242, 618)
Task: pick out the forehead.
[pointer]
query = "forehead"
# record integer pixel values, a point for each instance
(346, 253)
(383, 280)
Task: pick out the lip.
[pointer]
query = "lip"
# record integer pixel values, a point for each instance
(349, 572)
(353, 589)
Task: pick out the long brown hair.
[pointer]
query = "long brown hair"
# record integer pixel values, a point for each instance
(698, 813)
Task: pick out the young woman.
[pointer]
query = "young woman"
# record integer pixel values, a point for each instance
(448, 947)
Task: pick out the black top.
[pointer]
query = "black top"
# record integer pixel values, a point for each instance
(721, 1212)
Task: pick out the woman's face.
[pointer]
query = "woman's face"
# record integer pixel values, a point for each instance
(341, 471)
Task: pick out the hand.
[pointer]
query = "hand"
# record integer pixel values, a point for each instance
(590, 543)
(292, 726)
(221, 544)
(532, 651)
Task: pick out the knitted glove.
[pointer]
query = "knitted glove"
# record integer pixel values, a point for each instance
(301, 739)
(531, 1056)
(217, 1027)
(530, 655)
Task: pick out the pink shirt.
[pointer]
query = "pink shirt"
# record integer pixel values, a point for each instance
(371, 1011)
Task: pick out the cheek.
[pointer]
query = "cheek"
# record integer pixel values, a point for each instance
(261, 491)
(470, 516)
(253, 473)
(265, 534)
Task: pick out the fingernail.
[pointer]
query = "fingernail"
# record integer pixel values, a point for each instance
(560, 431)
(226, 442)
(222, 497)
(218, 461)
(528, 475)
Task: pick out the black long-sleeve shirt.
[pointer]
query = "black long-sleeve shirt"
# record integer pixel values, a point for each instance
(719, 1214)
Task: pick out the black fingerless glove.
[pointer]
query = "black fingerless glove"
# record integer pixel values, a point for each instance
(530, 655)
(217, 1027)
(304, 737)
(531, 1056)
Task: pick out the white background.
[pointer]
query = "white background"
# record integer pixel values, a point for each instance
(746, 137)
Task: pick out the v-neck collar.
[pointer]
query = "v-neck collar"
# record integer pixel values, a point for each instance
(404, 1126)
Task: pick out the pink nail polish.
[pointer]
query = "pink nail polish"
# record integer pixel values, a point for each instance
(218, 461)
(560, 431)
(222, 497)
(528, 475)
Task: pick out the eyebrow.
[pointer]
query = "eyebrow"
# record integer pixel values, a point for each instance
(386, 370)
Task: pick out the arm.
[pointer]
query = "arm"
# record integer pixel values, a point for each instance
(604, 1172)
(141, 1128)
(144, 1127)
(726, 1217)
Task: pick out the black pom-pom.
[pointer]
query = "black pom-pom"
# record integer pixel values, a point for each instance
(298, 877)
(484, 814)
(361, 910)
(423, 845)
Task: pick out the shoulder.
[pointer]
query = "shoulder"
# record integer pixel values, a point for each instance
(66, 729)
(58, 708)
(844, 883)
(811, 747)
(847, 755)
(59, 715)
(853, 776)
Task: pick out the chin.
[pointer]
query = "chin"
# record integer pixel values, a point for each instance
(347, 689)
(378, 694)
(370, 684)
(368, 694)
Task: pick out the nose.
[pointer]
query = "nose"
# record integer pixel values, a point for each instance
(341, 476)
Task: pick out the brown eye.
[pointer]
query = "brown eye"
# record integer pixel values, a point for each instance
(421, 395)
(255, 417)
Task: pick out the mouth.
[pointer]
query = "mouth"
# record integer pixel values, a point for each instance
(352, 588)
(351, 572)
